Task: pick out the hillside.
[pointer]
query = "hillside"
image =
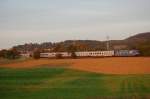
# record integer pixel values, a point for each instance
(139, 41)
(140, 36)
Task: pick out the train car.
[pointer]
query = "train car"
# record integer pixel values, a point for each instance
(126, 53)
(65, 54)
(82, 54)
(94, 53)
(134, 52)
(53, 54)
(101, 53)
(119, 53)
(48, 55)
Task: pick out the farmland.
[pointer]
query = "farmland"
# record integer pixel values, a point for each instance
(112, 65)
(123, 78)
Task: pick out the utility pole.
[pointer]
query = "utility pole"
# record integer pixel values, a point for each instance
(107, 43)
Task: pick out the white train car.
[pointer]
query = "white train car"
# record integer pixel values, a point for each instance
(53, 54)
(65, 54)
(82, 54)
(47, 55)
(95, 53)
(102, 53)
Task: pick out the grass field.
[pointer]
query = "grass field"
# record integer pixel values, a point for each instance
(61, 83)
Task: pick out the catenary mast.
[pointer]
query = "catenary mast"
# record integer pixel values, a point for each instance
(107, 43)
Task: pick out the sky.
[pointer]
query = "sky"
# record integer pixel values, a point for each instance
(37, 21)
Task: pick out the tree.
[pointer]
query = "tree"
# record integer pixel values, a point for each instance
(36, 54)
(15, 53)
(2, 53)
(10, 54)
(57, 48)
(71, 50)
(144, 50)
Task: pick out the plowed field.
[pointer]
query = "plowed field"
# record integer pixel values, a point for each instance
(113, 65)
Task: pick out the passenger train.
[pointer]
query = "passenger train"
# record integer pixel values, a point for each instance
(119, 53)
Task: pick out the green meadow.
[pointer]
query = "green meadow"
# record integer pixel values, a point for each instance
(61, 83)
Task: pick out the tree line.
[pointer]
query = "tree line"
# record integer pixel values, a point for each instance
(9, 54)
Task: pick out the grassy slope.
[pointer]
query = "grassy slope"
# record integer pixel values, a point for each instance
(60, 83)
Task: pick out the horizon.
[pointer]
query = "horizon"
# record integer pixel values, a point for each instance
(38, 21)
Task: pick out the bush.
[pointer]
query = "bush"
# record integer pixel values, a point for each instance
(36, 54)
(144, 48)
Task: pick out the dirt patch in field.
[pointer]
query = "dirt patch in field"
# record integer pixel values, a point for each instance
(122, 65)
(114, 65)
